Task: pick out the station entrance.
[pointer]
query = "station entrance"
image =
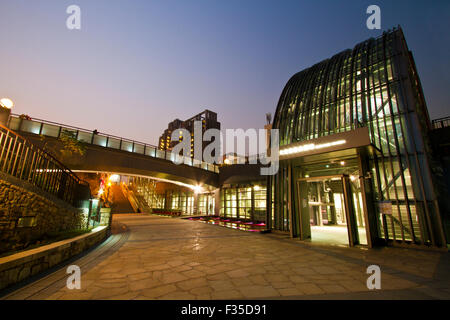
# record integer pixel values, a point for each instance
(331, 209)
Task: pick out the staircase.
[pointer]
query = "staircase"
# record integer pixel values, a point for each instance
(121, 204)
(403, 225)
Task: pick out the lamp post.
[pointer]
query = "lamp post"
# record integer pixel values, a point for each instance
(5, 110)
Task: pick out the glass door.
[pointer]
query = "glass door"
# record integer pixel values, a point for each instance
(327, 210)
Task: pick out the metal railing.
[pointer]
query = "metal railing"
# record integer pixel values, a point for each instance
(53, 129)
(25, 161)
(441, 123)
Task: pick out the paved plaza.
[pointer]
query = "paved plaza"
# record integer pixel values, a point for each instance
(151, 257)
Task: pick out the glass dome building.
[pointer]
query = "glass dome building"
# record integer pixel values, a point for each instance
(354, 151)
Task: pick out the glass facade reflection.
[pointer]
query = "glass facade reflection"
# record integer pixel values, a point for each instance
(373, 86)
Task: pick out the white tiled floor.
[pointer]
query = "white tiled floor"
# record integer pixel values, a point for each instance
(334, 235)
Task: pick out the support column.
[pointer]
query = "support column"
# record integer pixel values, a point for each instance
(370, 218)
(289, 204)
(166, 201)
(352, 226)
(252, 201)
(303, 209)
(319, 199)
(333, 220)
(237, 202)
(217, 202)
(269, 213)
(195, 204)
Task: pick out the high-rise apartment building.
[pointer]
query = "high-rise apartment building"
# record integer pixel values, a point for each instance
(208, 119)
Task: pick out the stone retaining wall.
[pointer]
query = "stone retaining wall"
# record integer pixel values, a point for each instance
(17, 267)
(26, 214)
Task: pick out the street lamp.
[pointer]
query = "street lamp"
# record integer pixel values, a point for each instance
(5, 110)
(6, 103)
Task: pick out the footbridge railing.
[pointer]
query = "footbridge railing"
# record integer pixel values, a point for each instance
(53, 129)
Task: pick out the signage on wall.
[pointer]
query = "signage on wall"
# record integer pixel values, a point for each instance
(385, 207)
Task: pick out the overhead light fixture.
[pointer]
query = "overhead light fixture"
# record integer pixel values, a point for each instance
(310, 146)
(198, 189)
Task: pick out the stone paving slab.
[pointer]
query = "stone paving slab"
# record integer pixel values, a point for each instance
(164, 258)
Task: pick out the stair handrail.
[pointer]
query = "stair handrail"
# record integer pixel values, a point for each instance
(22, 159)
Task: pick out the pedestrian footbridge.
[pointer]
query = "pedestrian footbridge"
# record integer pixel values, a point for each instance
(108, 153)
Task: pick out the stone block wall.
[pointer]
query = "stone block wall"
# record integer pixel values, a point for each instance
(27, 214)
(20, 266)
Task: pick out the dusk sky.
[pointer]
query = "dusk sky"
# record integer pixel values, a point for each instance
(137, 65)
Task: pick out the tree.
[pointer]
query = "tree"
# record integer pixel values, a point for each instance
(70, 145)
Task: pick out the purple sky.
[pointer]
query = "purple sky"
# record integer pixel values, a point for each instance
(136, 65)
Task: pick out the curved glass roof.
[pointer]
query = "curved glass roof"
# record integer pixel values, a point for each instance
(341, 93)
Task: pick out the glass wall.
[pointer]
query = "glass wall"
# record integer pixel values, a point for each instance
(206, 203)
(167, 196)
(246, 202)
(375, 85)
(146, 188)
(182, 201)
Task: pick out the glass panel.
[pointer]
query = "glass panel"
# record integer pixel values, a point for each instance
(160, 154)
(69, 132)
(409, 187)
(245, 203)
(85, 136)
(31, 126)
(50, 130)
(14, 123)
(403, 217)
(100, 140)
(231, 203)
(113, 143)
(150, 151)
(138, 148)
(127, 146)
(260, 198)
